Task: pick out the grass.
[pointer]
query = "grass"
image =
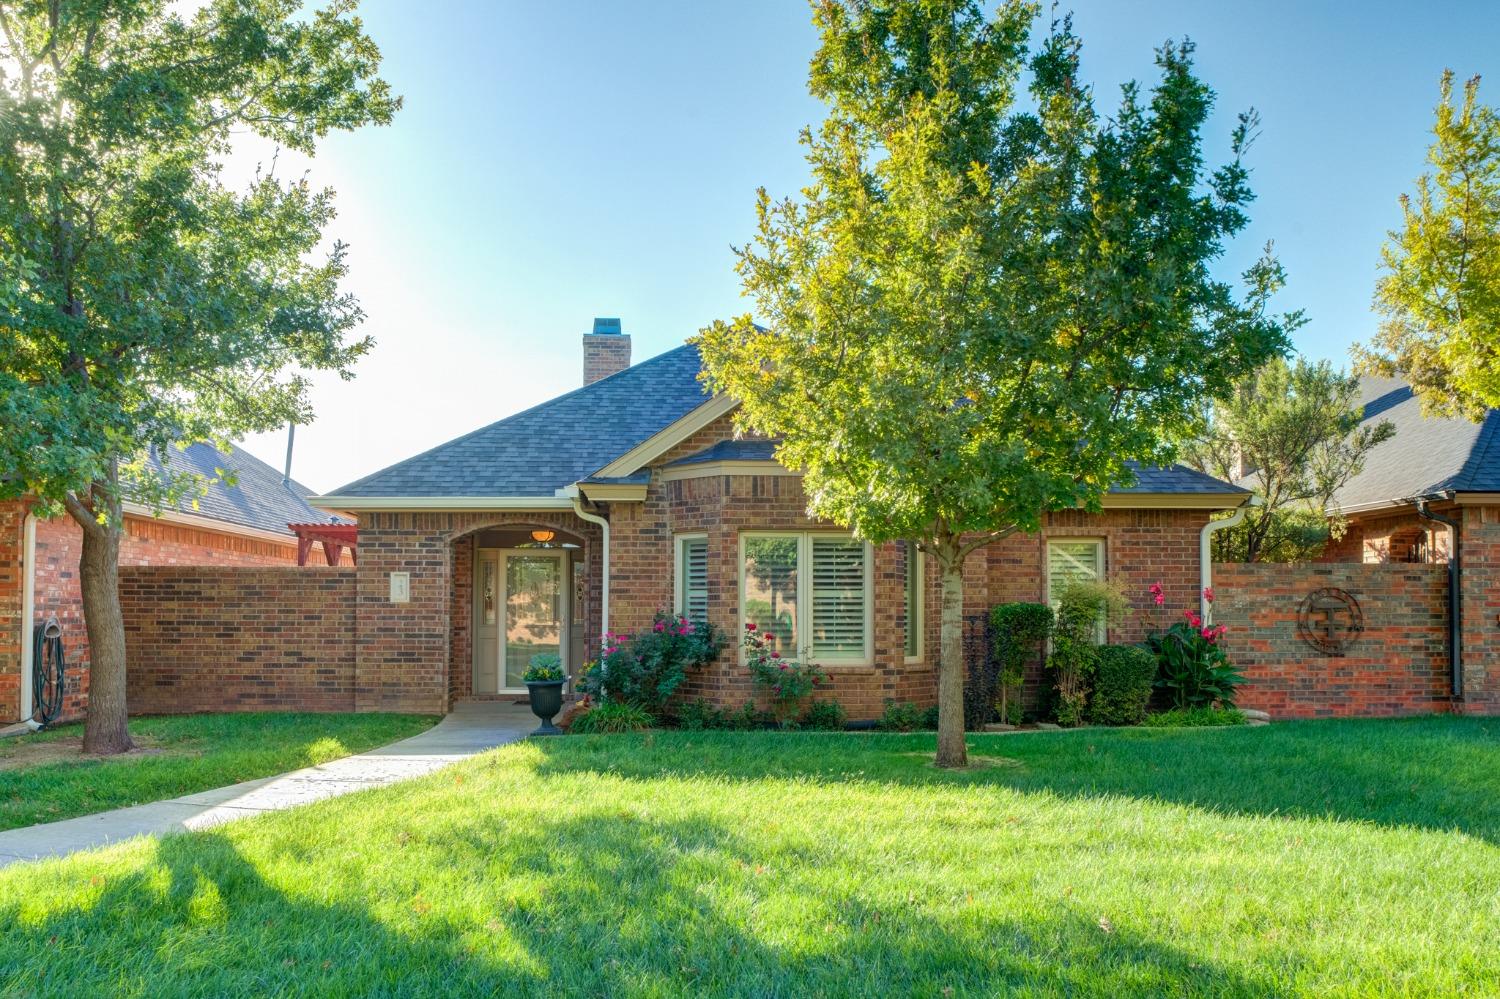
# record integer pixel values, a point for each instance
(1318, 858)
(44, 777)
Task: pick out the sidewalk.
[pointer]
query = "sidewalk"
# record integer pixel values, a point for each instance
(472, 728)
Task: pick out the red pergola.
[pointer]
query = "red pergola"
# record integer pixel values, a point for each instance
(335, 538)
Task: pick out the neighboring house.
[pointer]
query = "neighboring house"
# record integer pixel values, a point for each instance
(632, 494)
(244, 524)
(1450, 467)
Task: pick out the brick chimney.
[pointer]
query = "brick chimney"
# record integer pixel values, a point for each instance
(605, 351)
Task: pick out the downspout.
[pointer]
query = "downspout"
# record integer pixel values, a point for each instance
(1205, 554)
(28, 614)
(1455, 596)
(594, 518)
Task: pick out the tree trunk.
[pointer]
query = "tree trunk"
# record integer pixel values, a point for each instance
(952, 751)
(104, 728)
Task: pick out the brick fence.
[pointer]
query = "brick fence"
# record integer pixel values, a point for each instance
(1397, 666)
(210, 638)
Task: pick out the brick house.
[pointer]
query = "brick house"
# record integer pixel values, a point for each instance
(1432, 490)
(633, 494)
(244, 524)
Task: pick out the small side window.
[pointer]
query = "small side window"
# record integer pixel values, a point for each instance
(692, 578)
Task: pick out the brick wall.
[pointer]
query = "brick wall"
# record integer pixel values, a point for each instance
(1398, 666)
(209, 638)
(146, 541)
(604, 354)
(1481, 608)
(1389, 537)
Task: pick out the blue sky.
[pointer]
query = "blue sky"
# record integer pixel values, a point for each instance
(556, 162)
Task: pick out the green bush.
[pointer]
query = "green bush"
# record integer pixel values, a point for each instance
(1192, 666)
(700, 714)
(785, 682)
(612, 717)
(1195, 718)
(1123, 679)
(1081, 606)
(1020, 629)
(904, 716)
(646, 669)
(747, 716)
(829, 715)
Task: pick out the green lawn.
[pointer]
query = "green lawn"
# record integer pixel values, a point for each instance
(1323, 858)
(44, 778)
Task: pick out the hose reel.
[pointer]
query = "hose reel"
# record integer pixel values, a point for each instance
(46, 671)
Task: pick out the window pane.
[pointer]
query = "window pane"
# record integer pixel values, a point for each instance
(913, 600)
(771, 589)
(694, 570)
(838, 604)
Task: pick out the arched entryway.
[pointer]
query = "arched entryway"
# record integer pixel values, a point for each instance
(521, 588)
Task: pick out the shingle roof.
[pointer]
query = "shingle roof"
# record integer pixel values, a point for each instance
(547, 447)
(258, 499)
(1427, 455)
(567, 440)
(1170, 479)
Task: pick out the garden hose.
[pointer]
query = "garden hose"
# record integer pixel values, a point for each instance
(46, 672)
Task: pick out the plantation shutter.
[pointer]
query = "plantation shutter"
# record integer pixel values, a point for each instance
(913, 600)
(694, 575)
(838, 598)
(1073, 562)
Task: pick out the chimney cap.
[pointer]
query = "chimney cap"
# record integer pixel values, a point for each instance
(606, 327)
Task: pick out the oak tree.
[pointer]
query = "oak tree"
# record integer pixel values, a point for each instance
(990, 299)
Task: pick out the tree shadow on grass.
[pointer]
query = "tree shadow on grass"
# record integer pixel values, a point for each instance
(1433, 773)
(602, 903)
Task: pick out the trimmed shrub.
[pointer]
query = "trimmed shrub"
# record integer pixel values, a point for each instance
(1075, 650)
(1020, 630)
(701, 714)
(748, 716)
(1123, 679)
(1195, 718)
(612, 717)
(827, 715)
(905, 716)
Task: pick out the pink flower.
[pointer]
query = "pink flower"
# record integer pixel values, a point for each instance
(1207, 633)
(661, 626)
(1155, 589)
(1208, 594)
(778, 688)
(783, 666)
(1160, 599)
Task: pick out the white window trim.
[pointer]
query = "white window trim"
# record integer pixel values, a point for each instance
(920, 612)
(804, 594)
(679, 583)
(1103, 630)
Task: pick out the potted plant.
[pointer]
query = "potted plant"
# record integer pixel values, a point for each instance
(544, 679)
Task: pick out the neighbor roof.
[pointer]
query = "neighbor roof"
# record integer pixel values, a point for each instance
(547, 447)
(1428, 455)
(259, 498)
(572, 438)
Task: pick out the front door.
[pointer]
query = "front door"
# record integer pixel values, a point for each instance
(535, 611)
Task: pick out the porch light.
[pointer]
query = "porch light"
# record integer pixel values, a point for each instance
(542, 537)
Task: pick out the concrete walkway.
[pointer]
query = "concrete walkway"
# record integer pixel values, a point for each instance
(473, 727)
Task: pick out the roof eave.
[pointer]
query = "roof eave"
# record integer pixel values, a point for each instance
(379, 503)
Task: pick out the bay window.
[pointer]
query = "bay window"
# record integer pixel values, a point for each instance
(810, 591)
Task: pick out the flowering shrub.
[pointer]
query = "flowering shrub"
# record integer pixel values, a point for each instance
(1191, 664)
(787, 682)
(647, 668)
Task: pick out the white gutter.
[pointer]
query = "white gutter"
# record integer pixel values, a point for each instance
(1205, 555)
(594, 518)
(28, 613)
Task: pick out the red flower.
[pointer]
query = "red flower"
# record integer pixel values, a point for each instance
(1208, 594)
(749, 625)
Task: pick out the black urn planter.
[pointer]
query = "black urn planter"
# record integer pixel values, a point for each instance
(546, 702)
